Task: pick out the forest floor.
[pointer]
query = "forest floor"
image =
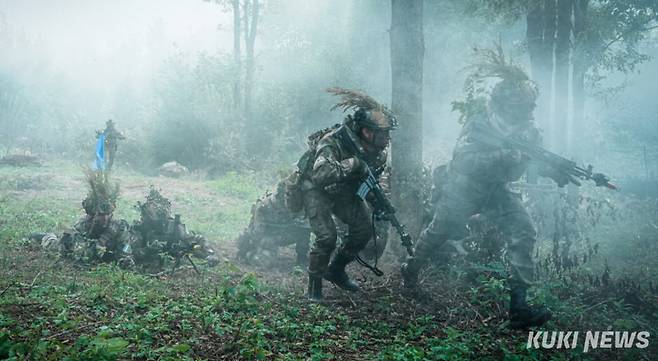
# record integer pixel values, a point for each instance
(51, 310)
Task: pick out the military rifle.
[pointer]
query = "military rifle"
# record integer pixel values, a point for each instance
(180, 247)
(537, 153)
(381, 204)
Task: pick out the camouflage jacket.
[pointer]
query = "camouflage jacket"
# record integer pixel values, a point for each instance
(270, 211)
(334, 166)
(89, 243)
(486, 162)
(169, 238)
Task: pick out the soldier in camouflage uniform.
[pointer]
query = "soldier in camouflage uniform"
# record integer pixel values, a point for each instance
(96, 237)
(272, 225)
(331, 177)
(158, 235)
(476, 181)
(112, 137)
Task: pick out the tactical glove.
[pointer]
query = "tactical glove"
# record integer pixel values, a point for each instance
(359, 168)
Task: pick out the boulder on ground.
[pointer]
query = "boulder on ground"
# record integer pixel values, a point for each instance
(173, 169)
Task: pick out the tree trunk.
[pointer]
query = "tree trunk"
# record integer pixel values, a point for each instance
(236, 55)
(562, 51)
(540, 37)
(250, 19)
(250, 40)
(534, 39)
(407, 52)
(580, 65)
(545, 65)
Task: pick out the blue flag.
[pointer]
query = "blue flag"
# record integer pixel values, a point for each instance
(100, 152)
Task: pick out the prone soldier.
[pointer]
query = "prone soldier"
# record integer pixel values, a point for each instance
(157, 234)
(96, 237)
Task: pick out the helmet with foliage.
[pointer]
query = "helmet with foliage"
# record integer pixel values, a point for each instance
(368, 113)
(101, 195)
(513, 96)
(156, 207)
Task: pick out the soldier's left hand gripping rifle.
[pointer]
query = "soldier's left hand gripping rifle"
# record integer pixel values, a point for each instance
(381, 204)
(571, 169)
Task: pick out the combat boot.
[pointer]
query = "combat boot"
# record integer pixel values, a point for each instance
(317, 264)
(522, 315)
(314, 287)
(336, 272)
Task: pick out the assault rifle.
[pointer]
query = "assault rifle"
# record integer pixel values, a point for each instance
(381, 204)
(537, 153)
(181, 246)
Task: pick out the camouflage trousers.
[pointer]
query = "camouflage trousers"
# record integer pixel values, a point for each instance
(462, 198)
(349, 209)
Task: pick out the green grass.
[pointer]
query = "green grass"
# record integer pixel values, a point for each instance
(50, 310)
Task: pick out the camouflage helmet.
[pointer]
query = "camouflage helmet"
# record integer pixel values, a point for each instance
(368, 113)
(514, 94)
(156, 205)
(375, 119)
(101, 195)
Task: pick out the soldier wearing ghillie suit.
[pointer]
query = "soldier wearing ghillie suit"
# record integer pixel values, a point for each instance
(112, 137)
(160, 237)
(273, 225)
(96, 237)
(331, 176)
(477, 181)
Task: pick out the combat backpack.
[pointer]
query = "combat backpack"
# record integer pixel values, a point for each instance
(293, 196)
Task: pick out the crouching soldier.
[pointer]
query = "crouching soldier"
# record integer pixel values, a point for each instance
(331, 175)
(273, 225)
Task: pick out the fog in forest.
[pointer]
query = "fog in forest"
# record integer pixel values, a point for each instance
(214, 102)
(69, 66)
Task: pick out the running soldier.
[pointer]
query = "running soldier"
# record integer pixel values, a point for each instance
(477, 181)
(330, 178)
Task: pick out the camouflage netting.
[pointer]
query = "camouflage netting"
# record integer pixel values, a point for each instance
(102, 194)
(513, 87)
(156, 202)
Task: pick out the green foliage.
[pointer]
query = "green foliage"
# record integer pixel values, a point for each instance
(16, 111)
(105, 313)
(613, 35)
(469, 107)
(185, 127)
(498, 10)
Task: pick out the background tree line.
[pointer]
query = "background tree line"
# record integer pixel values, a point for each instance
(254, 104)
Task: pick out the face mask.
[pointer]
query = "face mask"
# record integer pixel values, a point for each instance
(381, 138)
